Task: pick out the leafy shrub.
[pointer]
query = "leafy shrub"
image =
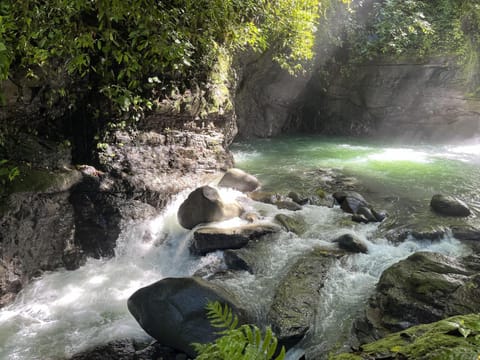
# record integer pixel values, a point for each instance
(244, 342)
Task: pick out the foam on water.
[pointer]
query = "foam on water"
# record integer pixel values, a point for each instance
(65, 312)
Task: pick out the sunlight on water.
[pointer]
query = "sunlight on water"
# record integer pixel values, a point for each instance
(401, 155)
(65, 312)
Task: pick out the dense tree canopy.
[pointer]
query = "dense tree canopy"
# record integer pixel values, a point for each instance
(129, 48)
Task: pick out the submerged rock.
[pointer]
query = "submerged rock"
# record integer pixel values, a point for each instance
(204, 205)
(449, 206)
(173, 312)
(351, 243)
(295, 224)
(423, 288)
(296, 299)
(210, 239)
(239, 180)
(452, 338)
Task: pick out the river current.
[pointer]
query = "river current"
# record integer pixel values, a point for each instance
(65, 312)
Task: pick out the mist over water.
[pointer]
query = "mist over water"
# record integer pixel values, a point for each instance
(65, 312)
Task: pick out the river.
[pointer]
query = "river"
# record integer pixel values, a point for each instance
(65, 312)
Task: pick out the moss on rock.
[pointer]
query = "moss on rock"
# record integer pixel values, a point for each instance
(457, 337)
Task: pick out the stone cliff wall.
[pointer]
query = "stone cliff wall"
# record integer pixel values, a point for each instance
(407, 101)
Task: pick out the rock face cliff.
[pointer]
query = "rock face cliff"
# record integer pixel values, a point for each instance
(406, 101)
(403, 99)
(60, 210)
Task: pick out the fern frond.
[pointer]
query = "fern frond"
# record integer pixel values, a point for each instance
(221, 317)
(237, 343)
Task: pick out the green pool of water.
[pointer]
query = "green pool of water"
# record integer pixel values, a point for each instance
(410, 174)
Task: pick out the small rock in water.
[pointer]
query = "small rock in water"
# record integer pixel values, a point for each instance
(210, 239)
(239, 180)
(297, 199)
(288, 205)
(449, 206)
(351, 243)
(466, 232)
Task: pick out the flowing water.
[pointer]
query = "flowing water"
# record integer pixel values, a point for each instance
(64, 312)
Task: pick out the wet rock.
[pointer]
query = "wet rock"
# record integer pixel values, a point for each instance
(288, 205)
(350, 201)
(205, 205)
(297, 198)
(36, 235)
(423, 232)
(295, 224)
(359, 219)
(445, 339)
(210, 239)
(240, 260)
(423, 288)
(379, 215)
(367, 214)
(466, 232)
(127, 350)
(449, 206)
(351, 243)
(265, 197)
(293, 307)
(172, 311)
(239, 180)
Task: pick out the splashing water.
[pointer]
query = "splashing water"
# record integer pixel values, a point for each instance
(65, 312)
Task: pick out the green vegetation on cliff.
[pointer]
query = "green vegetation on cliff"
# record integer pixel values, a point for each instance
(134, 51)
(418, 29)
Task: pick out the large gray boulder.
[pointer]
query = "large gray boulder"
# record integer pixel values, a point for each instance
(172, 311)
(239, 180)
(297, 297)
(210, 239)
(449, 206)
(204, 205)
(423, 288)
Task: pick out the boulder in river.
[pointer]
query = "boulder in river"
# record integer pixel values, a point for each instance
(296, 299)
(239, 180)
(210, 239)
(351, 243)
(423, 288)
(173, 312)
(204, 205)
(449, 206)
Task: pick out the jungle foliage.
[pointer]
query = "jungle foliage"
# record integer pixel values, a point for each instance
(133, 51)
(422, 29)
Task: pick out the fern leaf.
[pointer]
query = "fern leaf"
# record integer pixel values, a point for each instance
(267, 341)
(221, 317)
(281, 356)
